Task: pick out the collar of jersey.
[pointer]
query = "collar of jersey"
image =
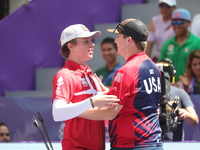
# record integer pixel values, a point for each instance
(135, 55)
(77, 67)
(189, 40)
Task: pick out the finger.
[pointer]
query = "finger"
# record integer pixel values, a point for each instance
(112, 100)
(112, 104)
(110, 96)
(105, 92)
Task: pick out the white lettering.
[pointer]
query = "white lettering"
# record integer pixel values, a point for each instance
(118, 77)
(159, 85)
(151, 71)
(147, 88)
(152, 84)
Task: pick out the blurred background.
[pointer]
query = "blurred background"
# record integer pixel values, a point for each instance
(29, 52)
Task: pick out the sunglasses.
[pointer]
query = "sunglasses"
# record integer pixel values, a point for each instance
(178, 22)
(164, 6)
(120, 29)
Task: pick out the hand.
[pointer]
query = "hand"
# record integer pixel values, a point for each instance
(182, 114)
(184, 80)
(101, 100)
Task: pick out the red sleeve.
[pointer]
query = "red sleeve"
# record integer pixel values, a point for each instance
(63, 86)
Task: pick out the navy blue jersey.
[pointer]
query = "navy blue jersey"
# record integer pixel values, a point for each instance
(137, 85)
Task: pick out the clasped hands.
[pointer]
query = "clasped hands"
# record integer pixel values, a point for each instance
(101, 100)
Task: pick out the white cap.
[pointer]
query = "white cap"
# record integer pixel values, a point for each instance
(77, 31)
(168, 2)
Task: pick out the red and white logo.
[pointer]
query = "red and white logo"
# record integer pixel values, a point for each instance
(84, 83)
(85, 28)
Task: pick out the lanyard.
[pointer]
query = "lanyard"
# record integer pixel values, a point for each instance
(111, 74)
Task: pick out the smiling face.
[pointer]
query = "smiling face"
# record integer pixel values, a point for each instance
(4, 134)
(195, 65)
(109, 52)
(180, 29)
(166, 10)
(121, 44)
(84, 48)
(81, 51)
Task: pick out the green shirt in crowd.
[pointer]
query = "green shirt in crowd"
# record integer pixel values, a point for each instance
(105, 75)
(179, 53)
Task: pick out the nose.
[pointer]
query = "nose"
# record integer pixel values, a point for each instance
(106, 52)
(198, 66)
(115, 40)
(92, 43)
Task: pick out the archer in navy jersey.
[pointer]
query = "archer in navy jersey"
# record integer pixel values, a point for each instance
(137, 85)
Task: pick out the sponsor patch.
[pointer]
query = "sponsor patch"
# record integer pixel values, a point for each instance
(187, 50)
(84, 83)
(60, 81)
(170, 49)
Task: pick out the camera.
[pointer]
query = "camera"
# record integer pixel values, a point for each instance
(168, 108)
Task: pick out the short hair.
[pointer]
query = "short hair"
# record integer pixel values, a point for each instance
(189, 72)
(64, 50)
(109, 40)
(142, 45)
(3, 124)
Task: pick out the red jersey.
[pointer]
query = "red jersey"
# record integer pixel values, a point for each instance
(137, 85)
(75, 83)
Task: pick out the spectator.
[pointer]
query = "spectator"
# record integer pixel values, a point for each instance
(179, 47)
(75, 91)
(109, 53)
(4, 133)
(185, 111)
(160, 28)
(191, 80)
(195, 27)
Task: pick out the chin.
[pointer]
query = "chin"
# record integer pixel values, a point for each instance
(90, 57)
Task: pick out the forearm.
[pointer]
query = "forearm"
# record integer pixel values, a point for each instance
(149, 48)
(101, 113)
(192, 119)
(189, 115)
(62, 111)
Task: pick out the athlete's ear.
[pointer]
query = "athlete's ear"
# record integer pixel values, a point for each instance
(129, 39)
(70, 46)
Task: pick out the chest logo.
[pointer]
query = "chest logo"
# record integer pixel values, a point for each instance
(187, 50)
(84, 82)
(171, 49)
